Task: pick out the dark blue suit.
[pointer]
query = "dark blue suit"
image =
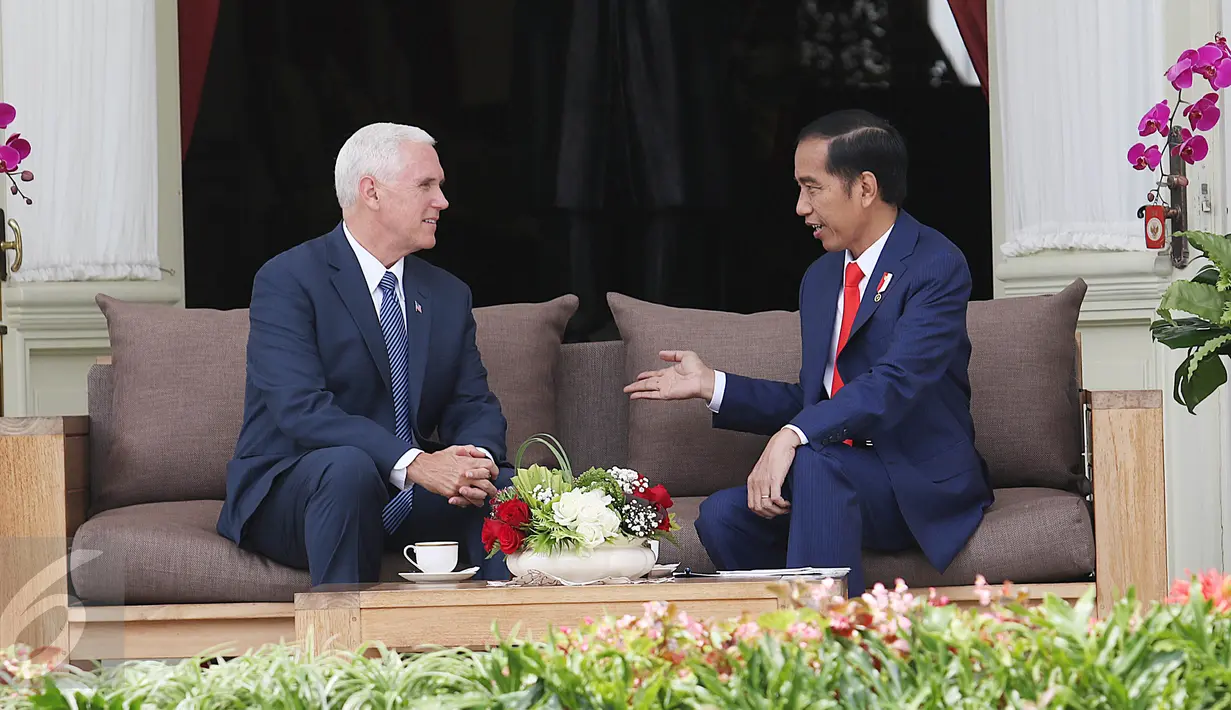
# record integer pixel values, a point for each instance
(921, 481)
(310, 475)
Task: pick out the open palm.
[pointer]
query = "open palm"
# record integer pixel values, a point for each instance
(687, 378)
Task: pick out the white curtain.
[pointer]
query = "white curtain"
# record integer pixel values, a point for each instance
(1074, 78)
(81, 75)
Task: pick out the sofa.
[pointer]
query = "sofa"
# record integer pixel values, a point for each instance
(133, 489)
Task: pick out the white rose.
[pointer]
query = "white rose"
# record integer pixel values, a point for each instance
(567, 508)
(597, 524)
(592, 533)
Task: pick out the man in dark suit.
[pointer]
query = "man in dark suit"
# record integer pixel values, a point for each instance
(358, 352)
(874, 448)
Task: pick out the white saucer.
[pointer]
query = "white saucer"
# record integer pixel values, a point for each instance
(421, 577)
(662, 570)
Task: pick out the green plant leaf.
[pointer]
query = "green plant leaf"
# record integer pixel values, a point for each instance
(1184, 333)
(1196, 381)
(1207, 275)
(1216, 248)
(1201, 300)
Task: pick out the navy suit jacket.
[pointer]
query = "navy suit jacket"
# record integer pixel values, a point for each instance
(906, 385)
(318, 370)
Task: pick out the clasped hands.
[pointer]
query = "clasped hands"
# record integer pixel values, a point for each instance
(690, 378)
(463, 474)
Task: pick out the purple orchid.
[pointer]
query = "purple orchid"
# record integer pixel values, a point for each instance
(1155, 119)
(1192, 148)
(1142, 157)
(7, 113)
(14, 150)
(1203, 114)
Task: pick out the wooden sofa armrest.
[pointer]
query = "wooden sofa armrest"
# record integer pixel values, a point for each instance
(44, 474)
(1125, 445)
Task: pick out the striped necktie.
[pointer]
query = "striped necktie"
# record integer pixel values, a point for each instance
(393, 325)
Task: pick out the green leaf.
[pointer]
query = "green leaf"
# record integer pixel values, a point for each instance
(1217, 248)
(1196, 381)
(1184, 333)
(1201, 300)
(1207, 275)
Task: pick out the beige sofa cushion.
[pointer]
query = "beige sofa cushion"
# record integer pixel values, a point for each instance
(178, 391)
(520, 346)
(675, 442)
(1029, 535)
(1023, 400)
(171, 553)
(177, 402)
(1024, 397)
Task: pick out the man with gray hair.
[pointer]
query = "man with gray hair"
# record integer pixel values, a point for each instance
(357, 349)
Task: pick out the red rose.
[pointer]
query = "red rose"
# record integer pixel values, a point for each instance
(514, 512)
(510, 538)
(491, 531)
(665, 524)
(657, 495)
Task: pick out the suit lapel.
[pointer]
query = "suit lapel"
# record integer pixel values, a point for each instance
(353, 289)
(898, 245)
(418, 328)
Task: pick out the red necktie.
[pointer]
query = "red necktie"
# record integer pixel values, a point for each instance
(850, 305)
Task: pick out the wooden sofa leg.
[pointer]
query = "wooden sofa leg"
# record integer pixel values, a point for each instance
(1130, 507)
(44, 473)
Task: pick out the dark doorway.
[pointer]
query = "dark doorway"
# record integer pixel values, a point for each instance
(590, 146)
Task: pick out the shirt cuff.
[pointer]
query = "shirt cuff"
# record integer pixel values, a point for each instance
(803, 440)
(720, 386)
(398, 476)
(486, 453)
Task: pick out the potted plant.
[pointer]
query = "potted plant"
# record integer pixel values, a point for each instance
(578, 528)
(1206, 332)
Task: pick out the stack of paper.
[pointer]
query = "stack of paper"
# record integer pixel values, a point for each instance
(834, 572)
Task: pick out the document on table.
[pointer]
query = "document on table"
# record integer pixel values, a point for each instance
(823, 572)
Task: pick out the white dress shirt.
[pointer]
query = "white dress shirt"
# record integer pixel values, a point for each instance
(867, 264)
(373, 272)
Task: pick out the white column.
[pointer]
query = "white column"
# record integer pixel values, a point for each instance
(1073, 79)
(82, 77)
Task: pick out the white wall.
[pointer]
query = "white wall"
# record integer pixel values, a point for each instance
(55, 330)
(1124, 290)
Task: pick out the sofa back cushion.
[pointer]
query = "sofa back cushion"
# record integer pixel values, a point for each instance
(674, 443)
(177, 392)
(520, 346)
(177, 402)
(1024, 399)
(1024, 395)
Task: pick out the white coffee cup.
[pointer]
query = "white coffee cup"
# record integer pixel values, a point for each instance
(432, 557)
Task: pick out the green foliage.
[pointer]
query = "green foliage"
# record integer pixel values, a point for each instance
(601, 479)
(1207, 298)
(888, 649)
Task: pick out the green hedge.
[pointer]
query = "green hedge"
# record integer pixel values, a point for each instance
(888, 649)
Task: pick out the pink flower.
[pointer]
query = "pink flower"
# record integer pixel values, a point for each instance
(1192, 148)
(1141, 157)
(7, 113)
(1203, 114)
(1155, 119)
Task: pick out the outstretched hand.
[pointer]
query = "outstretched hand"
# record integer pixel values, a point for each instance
(688, 378)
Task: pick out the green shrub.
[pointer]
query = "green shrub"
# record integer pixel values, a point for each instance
(887, 649)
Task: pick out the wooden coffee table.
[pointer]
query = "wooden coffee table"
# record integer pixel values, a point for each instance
(412, 617)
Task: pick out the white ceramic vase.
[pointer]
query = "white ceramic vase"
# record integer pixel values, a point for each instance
(631, 559)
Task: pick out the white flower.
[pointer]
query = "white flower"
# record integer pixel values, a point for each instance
(588, 514)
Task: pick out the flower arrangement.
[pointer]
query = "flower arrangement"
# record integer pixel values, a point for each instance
(14, 150)
(549, 510)
(1207, 295)
(888, 648)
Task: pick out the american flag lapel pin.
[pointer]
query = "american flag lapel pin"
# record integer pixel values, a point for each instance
(418, 308)
(884, 284)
